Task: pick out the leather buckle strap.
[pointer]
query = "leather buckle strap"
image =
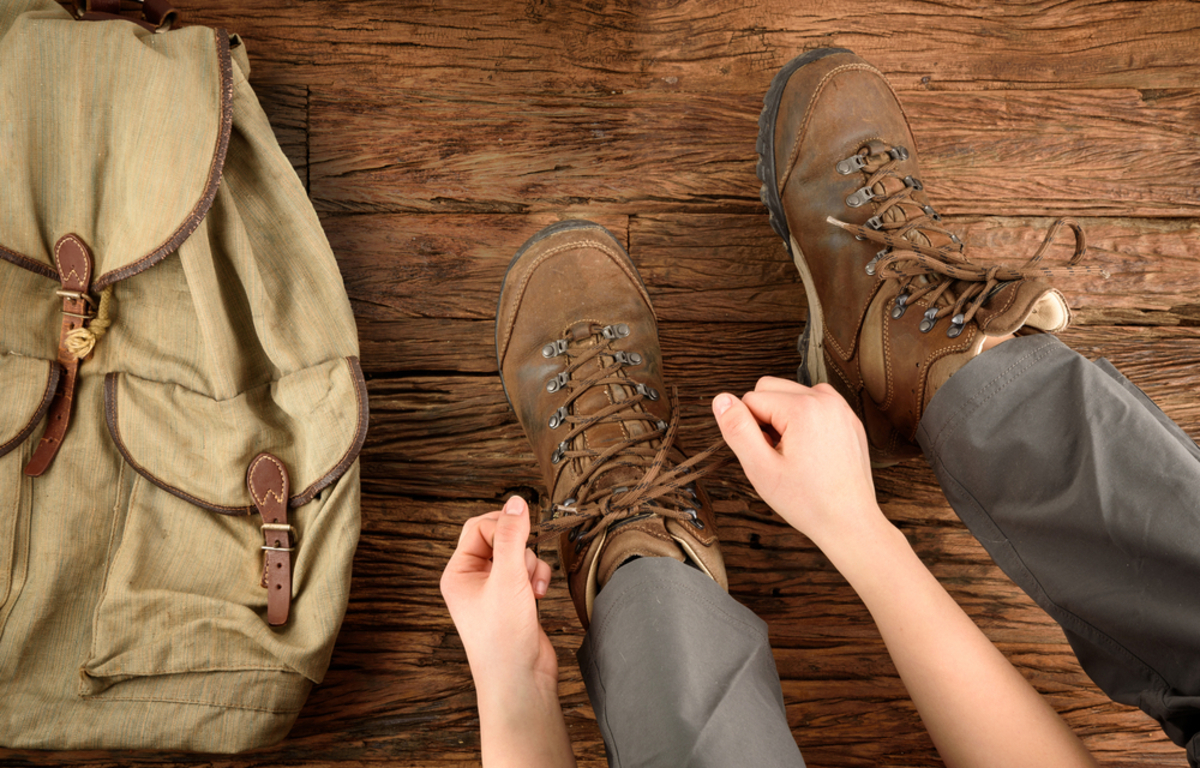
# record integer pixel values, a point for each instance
(157, 15)
(293, 535)
(74, 262)
(267, 480)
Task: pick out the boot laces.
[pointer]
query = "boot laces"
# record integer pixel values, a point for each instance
(602, 493)
(955, 286)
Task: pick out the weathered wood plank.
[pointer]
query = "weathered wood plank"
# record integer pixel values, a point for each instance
(727, 47)
(454, 436)
(705, 267)
(439, 266)
(1118, 152)
(643, 115)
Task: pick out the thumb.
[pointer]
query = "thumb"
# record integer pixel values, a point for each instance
(512, 533)
(741, 431)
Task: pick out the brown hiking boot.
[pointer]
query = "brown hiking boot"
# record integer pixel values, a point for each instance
(577, 346)
(895, 307)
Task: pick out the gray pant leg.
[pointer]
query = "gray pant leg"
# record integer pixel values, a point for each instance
(1087, 496)
(681, 674)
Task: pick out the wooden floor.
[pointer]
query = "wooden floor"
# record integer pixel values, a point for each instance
(435, 137)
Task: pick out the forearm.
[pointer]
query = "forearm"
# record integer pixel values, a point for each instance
(521, 725)
(978, 709)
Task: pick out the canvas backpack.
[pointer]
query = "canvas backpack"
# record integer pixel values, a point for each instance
(182, 404)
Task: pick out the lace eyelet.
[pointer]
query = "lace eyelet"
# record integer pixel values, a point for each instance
(874, 223)
(956, 325)
(558, 382)
(898, 310)
(554, 348)
(628, 358)
(913, 183)
(860, 198)
(617, 331)
(559, 453)
(871, 264)
(929, 320)
(851, 164)
(898, 153)
(650, 392)
(558, 417)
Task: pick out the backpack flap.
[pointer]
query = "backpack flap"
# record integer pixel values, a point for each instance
(197, 448)
(127, 158)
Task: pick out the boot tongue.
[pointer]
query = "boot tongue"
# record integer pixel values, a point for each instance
(602, 436)
(876, 156)
(637, 537)
(1024, 303)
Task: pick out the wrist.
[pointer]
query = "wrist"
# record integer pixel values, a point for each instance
(515, 694)
(870, 542)
(522, 726)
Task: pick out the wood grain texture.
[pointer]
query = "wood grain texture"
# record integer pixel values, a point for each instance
(607, 45)
(454, 436)
(410, 276)
(435, 137)
(1125, 152)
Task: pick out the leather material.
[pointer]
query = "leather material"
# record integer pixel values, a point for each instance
(160, 13)
(565, 284)
(267, 480)
(157, 15)
(74, 263)
(832, 108)
(97, 6)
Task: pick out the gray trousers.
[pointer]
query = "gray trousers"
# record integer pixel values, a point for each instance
(1081, 489)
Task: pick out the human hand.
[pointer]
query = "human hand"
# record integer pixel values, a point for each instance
(817, 475)
(491, 585)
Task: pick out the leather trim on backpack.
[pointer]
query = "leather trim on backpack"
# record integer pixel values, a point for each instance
(112, 382)
(47, 398)
(360, 437)
(197, 214)
(24, 262)
(189, 224)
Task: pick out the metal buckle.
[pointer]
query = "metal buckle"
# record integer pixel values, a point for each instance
(76, 295)
(293, 534)
(88, 313)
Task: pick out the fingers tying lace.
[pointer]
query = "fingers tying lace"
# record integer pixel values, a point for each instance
(643, 474)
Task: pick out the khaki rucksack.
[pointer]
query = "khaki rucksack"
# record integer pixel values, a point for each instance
(170, 313)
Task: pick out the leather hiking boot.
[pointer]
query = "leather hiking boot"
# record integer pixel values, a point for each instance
(895, 307)
(577, 346)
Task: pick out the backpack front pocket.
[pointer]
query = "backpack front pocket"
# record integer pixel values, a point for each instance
(28, 386)
(182, 614)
